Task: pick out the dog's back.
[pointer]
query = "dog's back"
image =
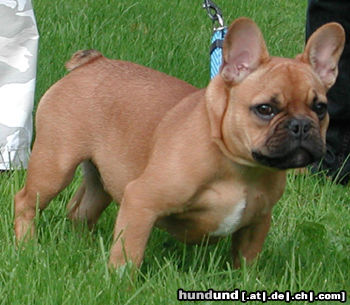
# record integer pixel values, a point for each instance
(116, 106)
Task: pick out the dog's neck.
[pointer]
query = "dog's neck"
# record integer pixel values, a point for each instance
(246, 170)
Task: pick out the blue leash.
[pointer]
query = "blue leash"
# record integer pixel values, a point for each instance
(219, 31)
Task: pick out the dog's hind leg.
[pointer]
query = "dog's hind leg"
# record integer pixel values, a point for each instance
(50, 170)
(91, 199)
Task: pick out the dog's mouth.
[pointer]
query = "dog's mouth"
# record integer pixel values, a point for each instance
(293, 143)
(299, 157)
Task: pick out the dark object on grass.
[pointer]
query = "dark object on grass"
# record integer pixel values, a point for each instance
(336, 163)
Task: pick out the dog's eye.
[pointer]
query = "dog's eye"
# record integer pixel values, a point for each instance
(265, 111)
(320, 109)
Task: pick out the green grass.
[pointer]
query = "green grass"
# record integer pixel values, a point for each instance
(309, 242)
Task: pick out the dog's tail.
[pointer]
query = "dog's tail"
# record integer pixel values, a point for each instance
(82, 57)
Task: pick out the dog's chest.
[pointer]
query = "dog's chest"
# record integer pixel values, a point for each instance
(217, 210)
(231, 221)
(225, 204)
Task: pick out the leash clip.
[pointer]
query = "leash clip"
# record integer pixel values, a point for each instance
(215, 14)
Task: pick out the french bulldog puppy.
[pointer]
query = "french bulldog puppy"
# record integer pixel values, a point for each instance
(197, 162)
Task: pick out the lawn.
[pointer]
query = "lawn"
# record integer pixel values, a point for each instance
(309, 242)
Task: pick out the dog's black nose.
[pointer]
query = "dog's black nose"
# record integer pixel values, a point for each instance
(299, 127)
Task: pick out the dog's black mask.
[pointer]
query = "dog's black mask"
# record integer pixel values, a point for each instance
(295, 142)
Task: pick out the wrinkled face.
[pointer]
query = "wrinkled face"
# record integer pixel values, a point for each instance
(277, 116)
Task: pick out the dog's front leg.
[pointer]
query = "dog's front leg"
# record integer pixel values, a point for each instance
(248, 241)
(134, 223)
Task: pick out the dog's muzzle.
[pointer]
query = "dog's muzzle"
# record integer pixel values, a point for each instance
(297, 142)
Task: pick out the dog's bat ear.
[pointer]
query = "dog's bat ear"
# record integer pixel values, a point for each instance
(244, 50)
(323, 51)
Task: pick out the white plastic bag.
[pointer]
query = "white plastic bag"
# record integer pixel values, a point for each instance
(18, 55)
